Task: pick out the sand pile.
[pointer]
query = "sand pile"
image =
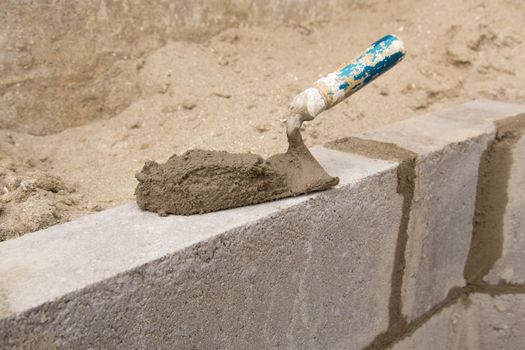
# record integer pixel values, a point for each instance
(31, 199)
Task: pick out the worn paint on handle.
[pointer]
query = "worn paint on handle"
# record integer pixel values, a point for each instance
(374, 61)
(335, 87)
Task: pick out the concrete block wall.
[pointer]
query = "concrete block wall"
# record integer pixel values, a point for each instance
(509, 267)
(388, 258)
(440, 225)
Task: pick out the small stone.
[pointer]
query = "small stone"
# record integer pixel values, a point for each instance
(94, 207)
(169, 109)
(459, 54)
(222, 94)
(223, 61)
(134, 125)
(189, 104)
(262, 128)
(314, 134)
(67, 201)
(231, 36)
(500, 307)
(31, 162)
(140, 64)
(11, 139)
(408, 88)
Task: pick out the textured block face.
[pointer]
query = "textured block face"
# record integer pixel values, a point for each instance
(482, 323)
(314, 275)
(446, 330)
(497, 322)
(440, 226)
(510, 267)
(449, 145)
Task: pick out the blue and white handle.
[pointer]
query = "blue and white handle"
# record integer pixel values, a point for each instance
(335, 87)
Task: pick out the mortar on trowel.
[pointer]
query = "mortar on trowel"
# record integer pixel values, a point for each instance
(200, 181)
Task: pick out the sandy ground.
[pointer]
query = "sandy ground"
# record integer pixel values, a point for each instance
(232, 92)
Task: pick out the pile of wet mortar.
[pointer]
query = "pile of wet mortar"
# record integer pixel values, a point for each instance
(200, 181)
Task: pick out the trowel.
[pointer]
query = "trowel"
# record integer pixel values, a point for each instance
(200, 181)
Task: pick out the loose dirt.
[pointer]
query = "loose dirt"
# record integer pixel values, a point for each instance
(231, 92)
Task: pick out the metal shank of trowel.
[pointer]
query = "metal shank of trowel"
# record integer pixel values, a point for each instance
(346, 80)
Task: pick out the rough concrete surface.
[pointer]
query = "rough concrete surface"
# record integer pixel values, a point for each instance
(440, 224)
(313, 274)
(406, 176)
(449, 145)
(486, 245)
(482, 322)
(510, 267)
(436, 130)
(497, 322)
(446, 330)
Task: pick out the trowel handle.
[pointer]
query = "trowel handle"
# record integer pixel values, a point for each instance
(335, 87)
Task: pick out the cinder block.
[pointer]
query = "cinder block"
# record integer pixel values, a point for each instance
(434, 131)
(306, 272)
(449, 145)
(496, 322)
(446, 330)
(481, 323)
(510, 267)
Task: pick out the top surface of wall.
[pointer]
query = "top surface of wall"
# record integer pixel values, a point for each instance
(437, 130)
